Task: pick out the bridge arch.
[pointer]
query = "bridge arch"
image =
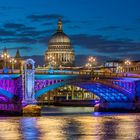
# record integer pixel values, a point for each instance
(7, 94)
(106, 93)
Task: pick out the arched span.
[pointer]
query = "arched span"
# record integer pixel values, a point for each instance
(49, 88)
(106, 93)
(6, 93)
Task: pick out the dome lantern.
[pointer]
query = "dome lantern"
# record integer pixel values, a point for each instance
(59, 25)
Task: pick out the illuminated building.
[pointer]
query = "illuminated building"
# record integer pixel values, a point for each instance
(60, 48)
(123, 66)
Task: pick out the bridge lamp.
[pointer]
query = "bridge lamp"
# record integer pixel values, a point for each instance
(127, 62)
(119, 69)
(5, 56)
(91, 59)
(13, 62)
(88, 65)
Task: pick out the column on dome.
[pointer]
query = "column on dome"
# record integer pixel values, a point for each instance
(69, 57)
(66, 57)
(54, 55)
(58, 57)
(61, 57)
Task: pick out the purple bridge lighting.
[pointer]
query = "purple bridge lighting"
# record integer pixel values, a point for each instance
(115, 92)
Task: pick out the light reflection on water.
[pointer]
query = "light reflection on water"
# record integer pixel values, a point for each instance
(90, 126)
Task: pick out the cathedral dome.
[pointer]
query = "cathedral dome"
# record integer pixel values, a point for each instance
(59, 37)
(60, 49)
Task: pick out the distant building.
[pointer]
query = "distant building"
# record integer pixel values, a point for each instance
(60, 51)
(120, 66)
(113, 64)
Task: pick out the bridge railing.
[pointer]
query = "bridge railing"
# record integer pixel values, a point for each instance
(9, 71)
(72, 72)
(90, 73)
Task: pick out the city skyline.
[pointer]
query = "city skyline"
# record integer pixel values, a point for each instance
(106, 30)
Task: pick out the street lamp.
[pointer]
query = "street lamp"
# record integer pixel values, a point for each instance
(127, 62)
(88, 65)
(5, 56)
(92, 59)
(51, 60)
(91, 62)
(119, 69)
(13, 61)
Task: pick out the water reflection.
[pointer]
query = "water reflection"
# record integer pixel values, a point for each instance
(70, 127)
(29, 128)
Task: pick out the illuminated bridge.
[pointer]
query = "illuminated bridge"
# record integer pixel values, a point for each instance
(116, 91)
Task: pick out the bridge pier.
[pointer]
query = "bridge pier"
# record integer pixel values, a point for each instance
(137, 95)
(29, 83)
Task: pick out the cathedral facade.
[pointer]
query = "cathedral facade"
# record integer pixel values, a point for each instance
(60, 51)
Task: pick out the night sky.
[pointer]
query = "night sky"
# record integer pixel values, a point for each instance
(107, 29)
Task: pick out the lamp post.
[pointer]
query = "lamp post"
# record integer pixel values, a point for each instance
(91, 62)
(127, 62)
(88, 65)
(119, 69)
(5, 56)
(92, 59)
(51, 61)
(13, 62)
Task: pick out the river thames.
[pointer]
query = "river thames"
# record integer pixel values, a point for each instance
(71, 123)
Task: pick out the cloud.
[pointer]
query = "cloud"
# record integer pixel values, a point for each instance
(44, 17)
(108, 28)
(66, 21)
(102, 45)
(130, 29)
(19, 40)
(4, 32)
(18, 27)
(20, 48)
(74, 27)
(138, 20)
(30, 33)
(14, 25)
(48, 23)
(7, 8)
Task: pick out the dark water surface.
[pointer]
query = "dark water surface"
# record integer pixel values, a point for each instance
(71, 123)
